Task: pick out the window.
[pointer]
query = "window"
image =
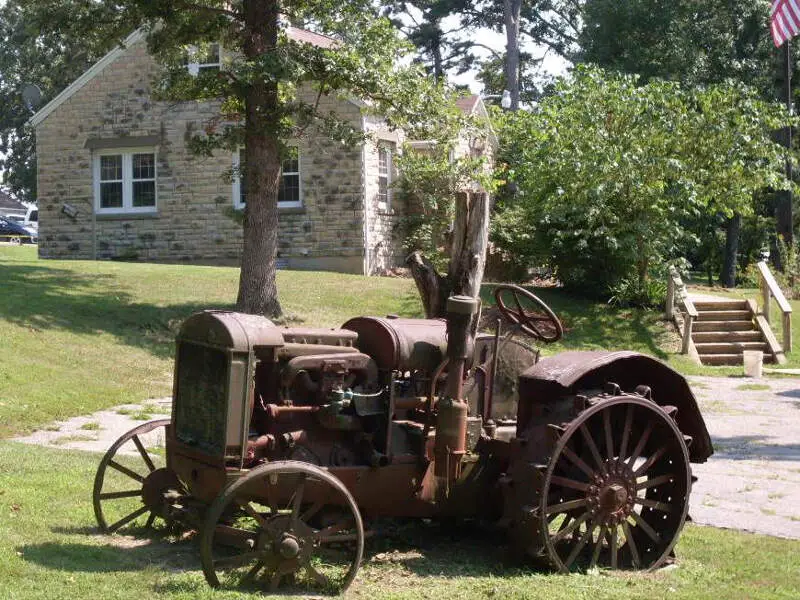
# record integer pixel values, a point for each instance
(385, 153)
(203, 59)
(125, 182)
(290, 191)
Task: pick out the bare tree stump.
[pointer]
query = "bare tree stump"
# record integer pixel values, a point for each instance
(467, 257)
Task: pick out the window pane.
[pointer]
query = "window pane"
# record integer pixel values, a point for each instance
(144, 193)
(383, 190)
(289, 189)
(383, 161)
(111, 195)
(111, 167)
(291, 165)
(144, 166)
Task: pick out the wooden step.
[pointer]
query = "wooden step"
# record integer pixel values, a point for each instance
(722, 326)
(722, 359)
(730, 359)
(702, 337)
(721, 305)
(724, 315)
(729, 348)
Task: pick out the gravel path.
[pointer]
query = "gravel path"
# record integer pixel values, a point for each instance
(752, 482)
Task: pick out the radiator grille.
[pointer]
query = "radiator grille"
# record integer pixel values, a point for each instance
(200, 404)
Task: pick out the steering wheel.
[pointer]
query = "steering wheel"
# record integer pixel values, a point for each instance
(532, 316)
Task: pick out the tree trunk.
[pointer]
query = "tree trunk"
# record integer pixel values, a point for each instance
(732, 229)
(467, 257)
(512, 9)
(436, 52)
(258, 290)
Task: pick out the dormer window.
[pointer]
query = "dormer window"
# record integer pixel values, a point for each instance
(208, 58)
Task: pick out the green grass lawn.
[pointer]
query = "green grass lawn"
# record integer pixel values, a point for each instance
(79, 336)
(49, 549)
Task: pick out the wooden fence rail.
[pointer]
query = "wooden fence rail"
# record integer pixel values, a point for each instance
(770, 290)
(678, 297)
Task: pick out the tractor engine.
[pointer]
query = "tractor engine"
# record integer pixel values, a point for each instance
(326, 395)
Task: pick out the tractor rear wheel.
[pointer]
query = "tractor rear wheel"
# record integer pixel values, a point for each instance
(616, 490)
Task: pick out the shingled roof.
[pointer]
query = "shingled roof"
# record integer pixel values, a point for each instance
(467, 104)
(7, 203)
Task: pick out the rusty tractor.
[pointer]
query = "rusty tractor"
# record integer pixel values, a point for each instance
(280, 439)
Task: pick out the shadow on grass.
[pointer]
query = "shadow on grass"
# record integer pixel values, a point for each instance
(42, 298)
(123, 554)
(448, 549)
(420, 547)
(753, 447)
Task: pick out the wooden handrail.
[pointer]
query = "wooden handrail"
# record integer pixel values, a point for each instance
(678, 296)
(769, 290)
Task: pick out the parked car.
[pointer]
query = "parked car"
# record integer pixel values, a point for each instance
(31, 221)
(15, 233)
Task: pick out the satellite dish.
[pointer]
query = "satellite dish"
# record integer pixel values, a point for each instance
(31, 95)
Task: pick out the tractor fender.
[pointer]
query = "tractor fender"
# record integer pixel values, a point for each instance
(568, 373)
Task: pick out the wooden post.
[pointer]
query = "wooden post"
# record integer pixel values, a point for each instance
(688, 322)
(787, 332)
(766, 298)
(670, 308)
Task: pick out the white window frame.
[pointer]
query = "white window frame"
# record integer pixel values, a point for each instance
(388, 150)
(127, 181)
(194, 68)
(236, 185)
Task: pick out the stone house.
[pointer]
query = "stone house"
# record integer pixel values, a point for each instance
(117, 181)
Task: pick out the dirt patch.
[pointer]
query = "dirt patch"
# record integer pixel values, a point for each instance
(98, 431)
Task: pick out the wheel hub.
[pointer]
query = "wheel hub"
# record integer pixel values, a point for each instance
(155, 485)
(612, 493)
(289, 547)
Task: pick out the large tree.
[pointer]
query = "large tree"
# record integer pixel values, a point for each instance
(262, 92)
(433, 27)
(34, 51)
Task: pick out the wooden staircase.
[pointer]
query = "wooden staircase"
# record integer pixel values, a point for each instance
(717, 331)
(724, 329)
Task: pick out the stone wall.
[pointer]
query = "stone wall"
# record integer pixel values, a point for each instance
(195, 219)
(384, 224)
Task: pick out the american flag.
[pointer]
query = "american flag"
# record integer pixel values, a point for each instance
(784, 20)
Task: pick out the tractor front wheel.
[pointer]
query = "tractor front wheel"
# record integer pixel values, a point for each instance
(288, 525)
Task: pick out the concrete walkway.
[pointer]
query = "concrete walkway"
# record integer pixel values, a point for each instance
(752, 482)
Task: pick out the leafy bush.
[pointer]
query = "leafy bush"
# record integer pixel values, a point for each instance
(630, 292)
(612, 175)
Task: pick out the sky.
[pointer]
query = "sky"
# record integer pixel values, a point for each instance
(553, 64)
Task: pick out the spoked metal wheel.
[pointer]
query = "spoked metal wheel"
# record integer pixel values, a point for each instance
(616, 490)
(132, 480)
(287, 525)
